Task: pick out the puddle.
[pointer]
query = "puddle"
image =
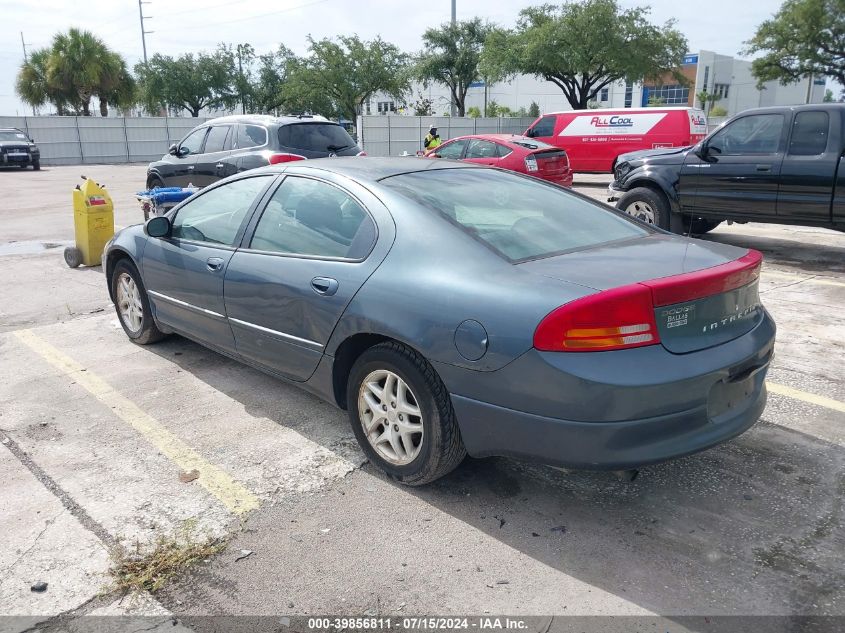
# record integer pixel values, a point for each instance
(30, 247)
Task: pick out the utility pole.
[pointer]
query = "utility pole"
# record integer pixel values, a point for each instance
(25, 60)
(144, 32)
(454, 109)
(241, 79)
(809, 87)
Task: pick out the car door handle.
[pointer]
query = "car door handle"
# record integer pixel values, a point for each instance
(764, 167)
(190, 167)
(219, 165)
(214, 264)
(325, 286)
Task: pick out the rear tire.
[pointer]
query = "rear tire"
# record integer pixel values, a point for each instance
(132, 304)
(413, 434)
(647, 205)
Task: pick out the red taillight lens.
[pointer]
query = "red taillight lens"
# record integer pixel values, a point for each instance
(275, 159)
(361, 153)
(623, 317)
(613, 319)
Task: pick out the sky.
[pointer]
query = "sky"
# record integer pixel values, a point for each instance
(189, 25)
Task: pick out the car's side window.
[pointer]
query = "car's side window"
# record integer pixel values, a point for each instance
(481, 149)
(544, 127)
(216, 215)
(809, 133)
(216, 141)
(310, 217)
(193, 142)
(251, 136)
(755, 134)
(502, 150)
(452, 150)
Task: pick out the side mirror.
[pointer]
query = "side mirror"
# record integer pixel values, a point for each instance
(529, 133)
(174, 150)
(158, 226)
(700, 150)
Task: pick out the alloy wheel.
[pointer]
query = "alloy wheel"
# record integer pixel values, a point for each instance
(129, 303)
(391, 417)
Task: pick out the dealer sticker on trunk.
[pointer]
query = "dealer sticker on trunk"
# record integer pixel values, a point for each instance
(676, 317)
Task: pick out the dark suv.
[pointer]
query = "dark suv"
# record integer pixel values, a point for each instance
(16, 148)
(228, 145)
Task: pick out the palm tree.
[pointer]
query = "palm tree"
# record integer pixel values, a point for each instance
(76, 67)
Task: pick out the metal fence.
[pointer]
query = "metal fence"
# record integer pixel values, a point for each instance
(393, 135)
(72, 140)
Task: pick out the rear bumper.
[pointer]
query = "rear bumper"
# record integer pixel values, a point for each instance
(489, 430)
(614, 410)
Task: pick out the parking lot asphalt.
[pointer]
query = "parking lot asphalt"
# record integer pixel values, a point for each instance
(96, 432)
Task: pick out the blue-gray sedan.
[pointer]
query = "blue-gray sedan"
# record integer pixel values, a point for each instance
(454, 309)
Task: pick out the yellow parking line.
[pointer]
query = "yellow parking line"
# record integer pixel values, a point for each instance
(229, 492)
(797, 394)
(822, 281)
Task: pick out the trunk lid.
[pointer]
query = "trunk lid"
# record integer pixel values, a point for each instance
(551, 163)
(704, 294)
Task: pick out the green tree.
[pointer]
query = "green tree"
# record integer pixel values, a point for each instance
(423, 106)
(76, 67)
(583, 47)
(534, 109)
(718, 111)
(828, 96)
(451, 56)
(804, 37)
(473, 112)
(189, 82)
(349, 71)
(707, 99)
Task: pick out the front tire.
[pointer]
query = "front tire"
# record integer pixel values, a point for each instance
(132, 305)
(36, 165)
(647, 205)
(402, 415)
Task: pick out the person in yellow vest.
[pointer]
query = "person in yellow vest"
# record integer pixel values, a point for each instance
(431, 139)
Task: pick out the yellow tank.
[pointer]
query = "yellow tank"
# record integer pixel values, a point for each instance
(93, 222)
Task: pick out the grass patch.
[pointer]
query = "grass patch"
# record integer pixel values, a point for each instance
(134, 569)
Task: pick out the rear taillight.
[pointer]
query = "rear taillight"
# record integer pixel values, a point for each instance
(531, 163)
(613, 319)
(275, 159)
(361, 153)
(622, 318)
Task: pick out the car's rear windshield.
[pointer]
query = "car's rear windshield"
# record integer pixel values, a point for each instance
(518, 217)
(316, 137)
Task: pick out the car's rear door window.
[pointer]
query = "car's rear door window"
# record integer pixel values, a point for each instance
(809, 133)
(479, 148)
(520, 218)
(251, 136)
(315, 219)
(316, 137)
(215, 216)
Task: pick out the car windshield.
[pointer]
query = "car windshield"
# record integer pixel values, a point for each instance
(518, 217)
(12, 135)
(316, 137)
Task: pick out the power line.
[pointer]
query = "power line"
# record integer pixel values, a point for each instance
(246, 19)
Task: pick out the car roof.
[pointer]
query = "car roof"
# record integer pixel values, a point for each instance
(269, 119)
(11, 129)
(634, 110)
(370, 168)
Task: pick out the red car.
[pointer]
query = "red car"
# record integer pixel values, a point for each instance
(509, 151)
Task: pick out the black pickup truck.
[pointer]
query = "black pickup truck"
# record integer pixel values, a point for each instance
(783, 165)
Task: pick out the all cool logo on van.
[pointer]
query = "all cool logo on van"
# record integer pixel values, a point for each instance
(697, 123)
(592, 125)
